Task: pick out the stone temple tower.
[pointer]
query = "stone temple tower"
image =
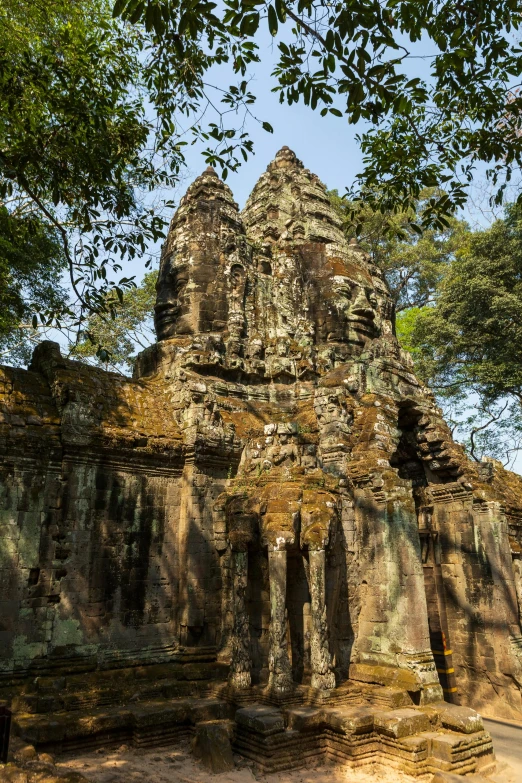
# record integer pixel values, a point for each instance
(272, 510)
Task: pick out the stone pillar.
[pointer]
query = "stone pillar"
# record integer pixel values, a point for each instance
(241, 664)
(323, 677)
(517, 569)
(280, 670)
(393, 623)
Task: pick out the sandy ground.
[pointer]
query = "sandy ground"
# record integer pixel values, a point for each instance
(176, 765)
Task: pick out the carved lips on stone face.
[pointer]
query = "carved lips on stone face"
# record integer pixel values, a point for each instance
(346, 307)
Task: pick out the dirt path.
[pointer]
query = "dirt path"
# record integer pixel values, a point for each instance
(507, 741)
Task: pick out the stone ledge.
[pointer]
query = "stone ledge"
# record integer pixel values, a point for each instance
(385, 675)
(160, 716)
(401, 723)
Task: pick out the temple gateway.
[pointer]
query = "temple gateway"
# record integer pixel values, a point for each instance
(268, 528)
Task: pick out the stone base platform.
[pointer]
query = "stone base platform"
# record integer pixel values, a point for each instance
(355, 724)
(416, 740)
(152, 723)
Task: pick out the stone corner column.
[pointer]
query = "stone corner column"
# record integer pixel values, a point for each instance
(323, 677)
(280, 671)
(241, 664)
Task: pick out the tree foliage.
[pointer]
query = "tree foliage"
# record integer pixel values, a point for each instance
(113, 344)
(93, 97)
(31, 266)
(359, 59)
(467, 346)
(88, 140)
(473, 336)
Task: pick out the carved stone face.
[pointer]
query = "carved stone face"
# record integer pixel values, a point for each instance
(352, 311)
(193, 298)
(172, 302)
(237, 278)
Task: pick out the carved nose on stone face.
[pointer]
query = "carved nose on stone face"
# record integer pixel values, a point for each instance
(164, 305)
(166, 317)
(362, 307)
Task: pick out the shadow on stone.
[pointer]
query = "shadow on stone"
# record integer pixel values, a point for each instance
(212, 745)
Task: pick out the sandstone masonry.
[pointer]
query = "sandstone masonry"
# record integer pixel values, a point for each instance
(270, 522)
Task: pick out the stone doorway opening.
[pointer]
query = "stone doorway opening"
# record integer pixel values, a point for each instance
(298, 603)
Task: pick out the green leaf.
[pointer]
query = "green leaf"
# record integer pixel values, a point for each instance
(280, 8)
(119, 7)
(266, 126)
(137, 14)
(249, 24)
(272, 20)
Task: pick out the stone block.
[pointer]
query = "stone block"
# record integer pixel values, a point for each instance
(304, 718)
(37, 731)
(212, 745)
(401, 723)
(349, 720)
(458, 718)
(385, 675)
(201, 710)
(261, 719)
(418, 744)
(161, 712)
(443, 746)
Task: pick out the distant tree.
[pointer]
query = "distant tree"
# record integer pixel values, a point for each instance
(473, 336)
(467, 346)
(114, 343)
(32, 264)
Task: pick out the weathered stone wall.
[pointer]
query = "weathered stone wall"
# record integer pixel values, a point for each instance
(89, 538)
(274, 488)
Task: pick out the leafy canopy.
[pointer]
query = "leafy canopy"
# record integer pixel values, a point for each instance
(473, 336)
(113, 344)
(360, 59)
(31, 267)
(88, 142)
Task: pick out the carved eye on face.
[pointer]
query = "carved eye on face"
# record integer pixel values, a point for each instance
(179, 283)
(372, 299)
(344, 291)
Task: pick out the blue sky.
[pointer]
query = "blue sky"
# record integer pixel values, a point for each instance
(326, 145)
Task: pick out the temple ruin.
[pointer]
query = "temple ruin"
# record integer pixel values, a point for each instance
(268, 526)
